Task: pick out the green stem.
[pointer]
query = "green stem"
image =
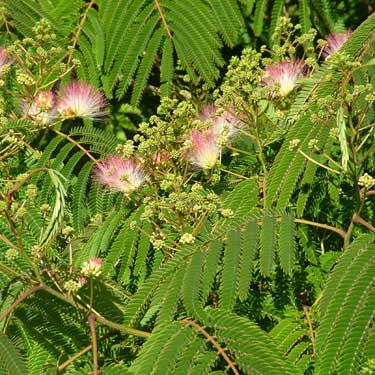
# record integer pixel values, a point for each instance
(91, 295)
(238, 150)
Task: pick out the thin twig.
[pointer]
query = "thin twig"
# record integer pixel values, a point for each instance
(17, 186)
(79, 30)
(20, 299)
(99, 318)
(339, 231)
(211, 339)
(9, 271)
(70, 139)
(233, 174)
(359, 220)
(306, 309)
(84, 350)
(317, 163)
(166, 27)
(91, 319)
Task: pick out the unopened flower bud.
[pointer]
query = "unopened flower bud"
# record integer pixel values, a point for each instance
(187, 238)
(72, 286)
(366, 181)
(293, 144)
(67, 231)
(92, 268)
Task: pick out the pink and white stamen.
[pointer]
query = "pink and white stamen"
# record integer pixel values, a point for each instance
(124, 175)
(283, 76)
(224, 124)
(4, 59)
(335, 42)
(204, 150)
(80, 99)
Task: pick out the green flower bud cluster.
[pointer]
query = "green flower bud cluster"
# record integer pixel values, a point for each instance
(366, 181)
(368, 368)
(24, 78)
(67, 231)
(31, 192)
(11, 254)
(43, 31)
(187, 238)
(72, 286)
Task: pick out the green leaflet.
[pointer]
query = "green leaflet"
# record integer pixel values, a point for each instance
(260, 11)
(57, 215)
(341, 126)
(11, 360)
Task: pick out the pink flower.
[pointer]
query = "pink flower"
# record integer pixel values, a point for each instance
(221, 124)
(204, 150)
(283, 75)
(96, 262)
(335, 41)
(120, 174)
(82, 280)
(4, 59)
(42, 108)
(80, 99)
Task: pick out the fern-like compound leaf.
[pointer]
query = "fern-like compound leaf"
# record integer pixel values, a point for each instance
(347, 310)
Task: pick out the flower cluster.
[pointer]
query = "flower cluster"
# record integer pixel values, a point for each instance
(222, 124)
(205, 147)
(202, 149)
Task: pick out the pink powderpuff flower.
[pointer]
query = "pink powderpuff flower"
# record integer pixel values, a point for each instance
(204, 149)
(224, 124)
(119, 174)
(42, 108)
(284, 75)
(80, 99)
(4, 59)
(335, 41)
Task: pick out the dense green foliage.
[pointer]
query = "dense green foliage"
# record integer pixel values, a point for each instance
(145, 231)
